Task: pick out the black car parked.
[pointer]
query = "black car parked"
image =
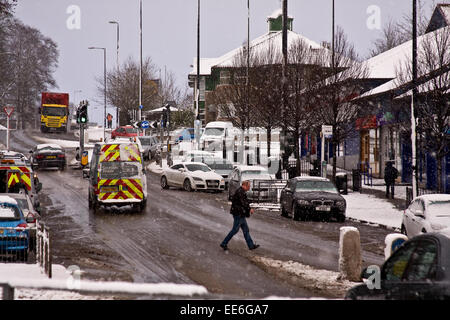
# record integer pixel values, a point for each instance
(418, 270)
(310, 197)
(48, 155)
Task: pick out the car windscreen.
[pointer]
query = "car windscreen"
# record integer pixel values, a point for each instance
(54, 111)
(311, 186)
(8, 212)
(438, 208)
(197, 167)
(145, 141)
(119, 169)
(23, 204)
(213, 131)
(218, 164)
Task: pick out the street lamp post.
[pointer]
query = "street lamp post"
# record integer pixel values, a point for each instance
(140, 64)
(104, 86)
(413, 101)
(117, 62)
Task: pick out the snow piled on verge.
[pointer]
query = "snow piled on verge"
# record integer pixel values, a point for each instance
(313, 278)
(368, 208)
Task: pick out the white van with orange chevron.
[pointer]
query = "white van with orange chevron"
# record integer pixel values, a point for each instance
(117, 175)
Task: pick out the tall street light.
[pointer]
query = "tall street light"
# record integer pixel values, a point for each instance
(140, 64)
(104, 85)
(413, 101)
(117, 62)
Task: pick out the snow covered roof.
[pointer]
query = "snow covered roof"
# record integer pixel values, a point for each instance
(259, 45)
(162, 109)
(277, 13)
(387, 64)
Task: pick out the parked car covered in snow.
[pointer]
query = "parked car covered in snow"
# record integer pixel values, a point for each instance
(192, 176)
(307, 197)
(426, 213)
(418, 270)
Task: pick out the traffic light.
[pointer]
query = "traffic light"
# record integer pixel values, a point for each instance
(82, 112)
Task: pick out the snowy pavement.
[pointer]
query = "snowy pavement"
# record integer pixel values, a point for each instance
(367, 208)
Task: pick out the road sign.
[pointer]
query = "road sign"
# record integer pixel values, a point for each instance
(327, 131)
(145, 124)
(8, 111)
(141, 107)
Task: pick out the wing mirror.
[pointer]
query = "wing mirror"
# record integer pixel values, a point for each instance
(419, 213)
(86, 174)
(182, 170)
(30, 218)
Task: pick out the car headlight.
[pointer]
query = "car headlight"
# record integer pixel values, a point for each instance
(222, 181)
(197, 179)
(341, 204)
(303, 202)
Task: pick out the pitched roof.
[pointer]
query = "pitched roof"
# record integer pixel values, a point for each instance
(258, 45)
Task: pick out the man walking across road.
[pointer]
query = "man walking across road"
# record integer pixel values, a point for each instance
(109, 117)
(240, 209)
(390, 174)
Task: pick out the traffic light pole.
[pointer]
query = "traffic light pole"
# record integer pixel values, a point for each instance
(161, 138)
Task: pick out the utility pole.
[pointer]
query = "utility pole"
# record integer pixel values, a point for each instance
(284, 80)
(197, 121)
(415, 186)
(140, 64)
(117, 62)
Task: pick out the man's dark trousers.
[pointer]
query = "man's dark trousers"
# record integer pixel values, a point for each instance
(390, 186)
(239, 222)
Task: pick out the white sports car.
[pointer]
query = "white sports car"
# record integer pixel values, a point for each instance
(192, 176)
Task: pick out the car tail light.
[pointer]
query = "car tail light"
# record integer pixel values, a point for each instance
(39, 156)
(31, 218)
(22, 225)
(61, 155)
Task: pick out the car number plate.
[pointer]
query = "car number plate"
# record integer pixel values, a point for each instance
(51, 157)
(323, 208)
(110, 189)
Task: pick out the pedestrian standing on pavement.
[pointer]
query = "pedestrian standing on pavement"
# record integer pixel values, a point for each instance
(109, 117)
(240, 209)
(390, 174)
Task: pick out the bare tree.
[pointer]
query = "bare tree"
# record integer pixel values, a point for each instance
(432, 107)
(234, 100)
(7, 7)
(332, 97)
(122, 88)
(32, 59)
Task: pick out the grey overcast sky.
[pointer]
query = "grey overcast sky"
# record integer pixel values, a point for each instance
(169, 31)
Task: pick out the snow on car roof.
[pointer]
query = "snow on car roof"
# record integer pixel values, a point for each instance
(8, 199)
(48, 145)
(311, 178)
(434, 197)
(251, 168)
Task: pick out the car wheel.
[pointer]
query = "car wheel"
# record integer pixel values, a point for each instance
(187, 185)
(403, 230)
(283, 211)
(89, 201)
(164, 184)
(295, 213)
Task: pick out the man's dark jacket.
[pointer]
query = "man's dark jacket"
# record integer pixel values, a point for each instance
(240, 205)
(390, 174)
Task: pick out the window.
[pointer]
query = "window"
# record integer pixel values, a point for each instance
(422, 265)
(395, 267)
(177, 166)
(224, 77)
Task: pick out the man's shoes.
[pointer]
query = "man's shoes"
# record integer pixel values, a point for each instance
(224, 247)
(254, 247)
